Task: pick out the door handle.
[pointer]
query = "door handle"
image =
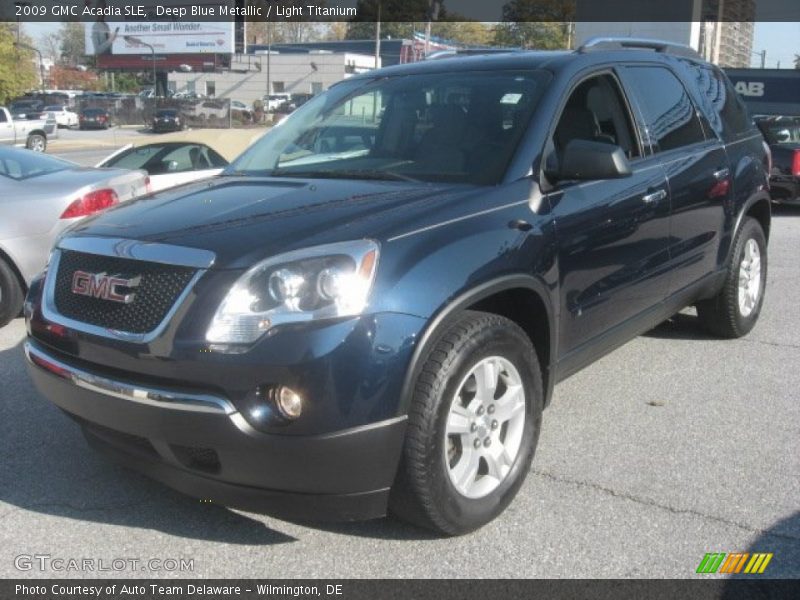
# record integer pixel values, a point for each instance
(654, 197)
(722, 174)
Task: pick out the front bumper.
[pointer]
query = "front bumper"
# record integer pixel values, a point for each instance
(199, 444)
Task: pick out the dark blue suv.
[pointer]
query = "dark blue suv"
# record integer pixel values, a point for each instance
(368, 310)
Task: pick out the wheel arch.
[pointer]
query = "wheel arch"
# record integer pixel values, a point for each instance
(6, 258)
(759, 207)
(523, 299)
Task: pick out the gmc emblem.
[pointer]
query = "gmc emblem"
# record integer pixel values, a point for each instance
(106, 287)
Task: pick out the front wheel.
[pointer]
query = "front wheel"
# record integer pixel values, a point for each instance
(36, 142)
(473, 425)
(733, 312)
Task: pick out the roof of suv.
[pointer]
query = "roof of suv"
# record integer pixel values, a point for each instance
(539, 59)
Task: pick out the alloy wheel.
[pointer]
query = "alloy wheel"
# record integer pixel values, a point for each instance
(483, 434)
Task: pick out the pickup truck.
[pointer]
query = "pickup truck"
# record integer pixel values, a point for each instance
(15, 130)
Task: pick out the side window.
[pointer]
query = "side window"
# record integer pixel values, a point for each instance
(728, 115)
(669, 114)
(3, 118)
(596, 111)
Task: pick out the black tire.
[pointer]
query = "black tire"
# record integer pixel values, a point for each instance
(11, 295)
(36, 142)
(423, 493)
(721, 315)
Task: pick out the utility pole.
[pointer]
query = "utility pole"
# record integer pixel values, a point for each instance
(135, 40)
(763, 59)
(269, 59)
(25, 46)
(378, 37)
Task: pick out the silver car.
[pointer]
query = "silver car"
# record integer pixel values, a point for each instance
(40, 196)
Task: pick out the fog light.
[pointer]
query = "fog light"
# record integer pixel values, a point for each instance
(289, 402)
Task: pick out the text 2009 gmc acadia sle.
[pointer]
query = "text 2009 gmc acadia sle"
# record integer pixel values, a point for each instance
(368, 310)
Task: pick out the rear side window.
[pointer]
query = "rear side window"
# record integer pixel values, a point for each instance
(726, 112)
(669, 114)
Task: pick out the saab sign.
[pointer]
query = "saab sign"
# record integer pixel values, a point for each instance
(750, 88)
(768, 91)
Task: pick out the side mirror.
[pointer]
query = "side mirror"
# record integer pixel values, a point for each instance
(586, 160)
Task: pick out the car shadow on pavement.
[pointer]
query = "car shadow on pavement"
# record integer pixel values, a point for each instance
(786, 210)
(682, 326)
(782, 540)
(48, 468)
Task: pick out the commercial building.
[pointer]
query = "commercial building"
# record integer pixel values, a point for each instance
(281, 71)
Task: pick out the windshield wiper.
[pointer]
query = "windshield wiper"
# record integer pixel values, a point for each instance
(347, 174)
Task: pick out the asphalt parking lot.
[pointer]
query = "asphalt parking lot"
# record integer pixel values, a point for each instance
(673, 446)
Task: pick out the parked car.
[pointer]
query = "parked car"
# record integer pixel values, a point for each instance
(168, 119)
(40, 196)
(26, 106)
(64, 117)
(31, 133)
(783, 137)
(241, 111)
(209, 110)
(174, 159)
(95, 118)
(382, 330)
(273, 101)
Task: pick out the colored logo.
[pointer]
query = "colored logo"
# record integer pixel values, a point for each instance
(738, 562)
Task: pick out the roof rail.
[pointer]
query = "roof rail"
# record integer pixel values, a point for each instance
(597, 44)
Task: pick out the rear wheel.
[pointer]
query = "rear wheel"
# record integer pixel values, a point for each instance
(36, 142)
(734, 311)
(473, 425)
(11, 295)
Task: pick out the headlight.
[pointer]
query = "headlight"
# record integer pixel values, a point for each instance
(322, 282)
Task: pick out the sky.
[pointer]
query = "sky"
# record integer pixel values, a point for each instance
(780, 40)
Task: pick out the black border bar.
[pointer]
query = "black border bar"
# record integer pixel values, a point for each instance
(404, 10)
(404, 589)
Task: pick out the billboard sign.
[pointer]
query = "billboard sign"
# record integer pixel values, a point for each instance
(166, 37)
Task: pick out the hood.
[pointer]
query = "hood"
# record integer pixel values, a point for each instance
(244, 219)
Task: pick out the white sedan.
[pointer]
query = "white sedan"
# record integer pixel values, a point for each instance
(64, 116)
(177, 158)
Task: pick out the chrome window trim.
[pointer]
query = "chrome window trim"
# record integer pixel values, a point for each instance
(151, 396)
(50, 312)
(178, 256)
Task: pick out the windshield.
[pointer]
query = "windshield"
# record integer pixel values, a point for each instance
(23, 164)
(53, 108)
(781, 130)
(461, 127)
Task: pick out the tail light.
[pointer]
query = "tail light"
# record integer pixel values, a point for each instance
(148, 188)
(796, 163)
(91, 203)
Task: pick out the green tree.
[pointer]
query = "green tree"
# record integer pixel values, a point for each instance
(397, 18)
(540, 24)
(73, 48)
(465, 32)
(17, 66)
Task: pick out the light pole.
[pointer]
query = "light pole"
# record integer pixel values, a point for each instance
(25, 46)
(135, 40)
